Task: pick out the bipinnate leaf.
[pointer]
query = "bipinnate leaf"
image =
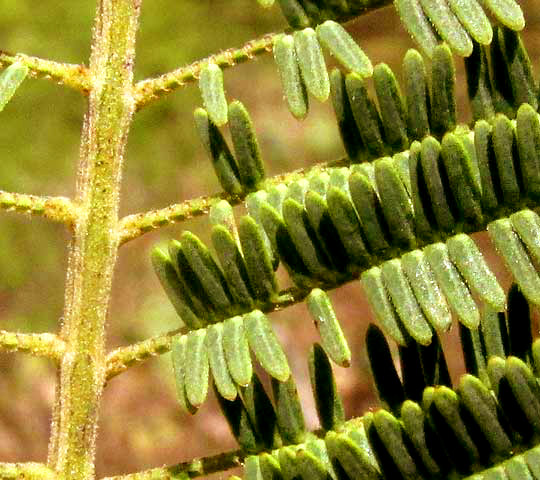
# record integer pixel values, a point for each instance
(10, 80)
(265, 345)
(292, 83)
(312, 64)
(246, 147)
(213, 93)
(327, 400)
(332, 338)
(340, 44)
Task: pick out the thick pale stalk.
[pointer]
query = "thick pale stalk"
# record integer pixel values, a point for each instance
(93, 250)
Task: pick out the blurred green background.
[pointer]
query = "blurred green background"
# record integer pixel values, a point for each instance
(141, 424)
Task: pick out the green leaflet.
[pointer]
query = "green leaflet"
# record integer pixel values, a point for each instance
(396, 204)
(492, 336)
(292, 83)
(448, 26)
(253, 204)
(327, 400)
(443, 95)
(221, 213)
(258, 259)
(350, 135)
(416, 94)
(526, 223)
(233, 265)
(471, 264)
(289, 463)
(472, 17)
(482, 406)
(305, 242)
(266, 3)
(423, 215)
(387, 382)
(294, 13)
(196, 367)
(246, 147)
(405, 302)
(174, 288)
(392, 107)
(528, 143)
(235, 345)
(446, 403)
(380, 303)
(310, 466)
(340, 44)
(332, 337)
(350, 457)
(417, 24)
(312, 64)
(265, 345)
(525, 389)
(517, 68)
(206, 270)
(367, 205)
(290, 418)
(461, 177)
(456, 292)
(516, 258)
(388, 429)
(479, 86)
(414, 426)
(10, 80)
(504, 145)
(218, 362)
(346, 222)
(178, 355)
(251, 469)
(365, 114)
(213, 93)
(426, 290)
(432, 163)
(508, 12)
(261, 413)
(222, 160)
(269, 466)
(483, 142)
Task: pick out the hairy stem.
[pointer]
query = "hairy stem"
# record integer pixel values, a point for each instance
(74, 76)
(93, 249)
(26, 471)
(39, 344)
(57, 209)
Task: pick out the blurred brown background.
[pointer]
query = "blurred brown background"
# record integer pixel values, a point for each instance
(141, 423)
